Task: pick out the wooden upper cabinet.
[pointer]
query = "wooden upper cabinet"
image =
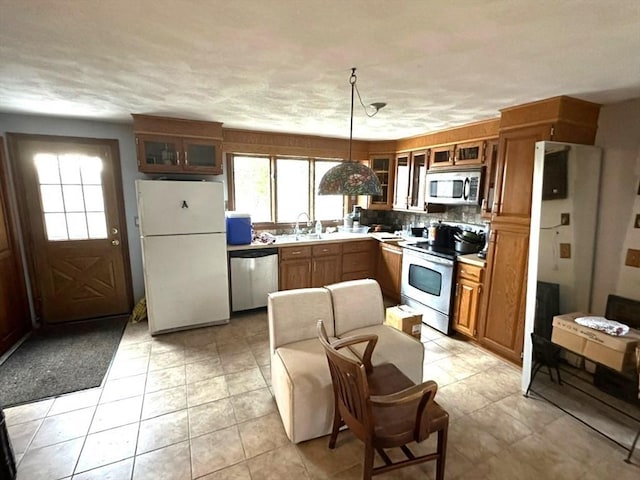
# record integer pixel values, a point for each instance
(170, 145)
(512, 198)
(490, 176)
(384, 167)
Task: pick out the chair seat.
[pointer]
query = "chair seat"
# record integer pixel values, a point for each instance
(394, 426)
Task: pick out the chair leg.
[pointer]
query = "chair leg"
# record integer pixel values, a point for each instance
(367, 468)
(442, 453)
(558, 372)
(633, 447)
(337, 422)
(534, 370)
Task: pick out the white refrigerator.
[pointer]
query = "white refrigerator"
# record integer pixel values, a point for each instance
(184, 253)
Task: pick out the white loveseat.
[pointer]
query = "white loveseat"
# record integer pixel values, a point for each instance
(299, 371)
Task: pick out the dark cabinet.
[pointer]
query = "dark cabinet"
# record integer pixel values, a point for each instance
(169, 145)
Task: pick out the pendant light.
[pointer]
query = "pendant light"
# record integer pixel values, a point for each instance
(352, 178)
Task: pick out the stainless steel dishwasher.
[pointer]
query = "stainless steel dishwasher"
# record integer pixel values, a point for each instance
(254, 274)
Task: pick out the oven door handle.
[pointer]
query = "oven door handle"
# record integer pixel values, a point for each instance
(426, 258)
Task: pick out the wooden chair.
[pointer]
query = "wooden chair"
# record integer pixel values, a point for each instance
(382, 407)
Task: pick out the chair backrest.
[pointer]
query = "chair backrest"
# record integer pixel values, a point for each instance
(350, 388)
(293, 315)
(356, 304)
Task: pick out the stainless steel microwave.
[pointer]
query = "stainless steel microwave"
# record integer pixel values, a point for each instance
(455, 187)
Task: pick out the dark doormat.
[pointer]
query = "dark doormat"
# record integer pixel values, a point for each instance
(60, 359)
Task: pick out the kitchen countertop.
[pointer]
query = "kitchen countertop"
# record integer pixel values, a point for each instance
(472, 259)
(290, 241)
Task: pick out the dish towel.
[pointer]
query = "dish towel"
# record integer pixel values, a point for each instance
(610, 327)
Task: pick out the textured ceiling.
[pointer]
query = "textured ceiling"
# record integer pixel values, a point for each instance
(284, 65)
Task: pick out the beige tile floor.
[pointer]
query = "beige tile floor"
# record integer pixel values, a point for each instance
(197, 404)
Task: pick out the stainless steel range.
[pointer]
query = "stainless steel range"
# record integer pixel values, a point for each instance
(427, 283)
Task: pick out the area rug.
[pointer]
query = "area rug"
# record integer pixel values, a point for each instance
(59, 359)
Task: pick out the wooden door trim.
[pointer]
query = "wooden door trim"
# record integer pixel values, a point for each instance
(21, 194)
(14, 244)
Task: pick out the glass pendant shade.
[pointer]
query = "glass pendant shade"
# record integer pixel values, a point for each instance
(350, 178)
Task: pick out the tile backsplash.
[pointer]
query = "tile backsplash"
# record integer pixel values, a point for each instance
(395, 219)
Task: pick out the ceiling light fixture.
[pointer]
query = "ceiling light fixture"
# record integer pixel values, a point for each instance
(352, 178)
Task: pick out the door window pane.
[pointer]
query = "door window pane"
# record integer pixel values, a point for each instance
(91, 170)
(71, 186)
(69, 169)
(56, 226)
(47, 168)
(51, 198)
(77, 226)
(97, 224)
(73, 198)
(252, 187)
(292, 183)
(93, 201)
(327, 207)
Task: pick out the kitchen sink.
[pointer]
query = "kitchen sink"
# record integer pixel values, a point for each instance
(314, 237)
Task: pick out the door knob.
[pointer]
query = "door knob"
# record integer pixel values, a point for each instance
(114, 230)
(115, 242)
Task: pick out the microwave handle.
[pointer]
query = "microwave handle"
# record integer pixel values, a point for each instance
(466, 188)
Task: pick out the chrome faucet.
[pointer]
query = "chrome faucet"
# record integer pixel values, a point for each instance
(297, 230)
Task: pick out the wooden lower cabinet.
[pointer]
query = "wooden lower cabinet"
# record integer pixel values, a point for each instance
(310, 266)
(326, 264)
(467, 299)
(501, 327)
(389, 270)
(358, 259)
(295, 267)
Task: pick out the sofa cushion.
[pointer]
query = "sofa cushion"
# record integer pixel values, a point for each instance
(394, 346)
(356, 304)
(293, 315)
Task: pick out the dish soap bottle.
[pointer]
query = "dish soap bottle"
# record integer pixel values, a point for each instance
(318, 227)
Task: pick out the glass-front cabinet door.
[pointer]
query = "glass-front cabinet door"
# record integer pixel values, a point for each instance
(469, 153)
(201, 155)
(166, 154)
(382, 165)
(441, 156)
(158, 153)
(418, 180)
(401, 190)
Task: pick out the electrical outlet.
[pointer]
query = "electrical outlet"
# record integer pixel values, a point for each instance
(565, 219)
(633, 258)
(565, 250)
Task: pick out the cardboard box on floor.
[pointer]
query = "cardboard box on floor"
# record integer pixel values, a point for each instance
(404, 319)
(614, 352)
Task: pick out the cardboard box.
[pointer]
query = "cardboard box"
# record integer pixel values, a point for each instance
(404, 319)
(614, 352)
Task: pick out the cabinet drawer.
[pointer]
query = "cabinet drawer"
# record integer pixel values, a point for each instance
(361, 246)
(326, 249)
(355, 262)
(288, 253)
(470, 272)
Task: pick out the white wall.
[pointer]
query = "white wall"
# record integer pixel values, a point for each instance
(619, 136)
